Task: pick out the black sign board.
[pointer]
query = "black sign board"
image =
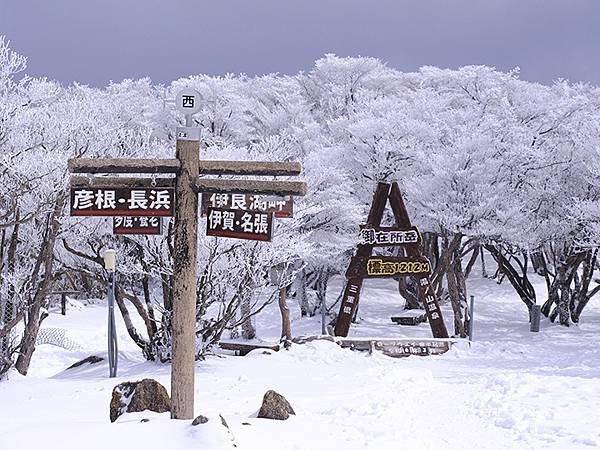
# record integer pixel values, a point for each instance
(281, 207)
(388, 266)
(137, 225)
(123, 202)
(239, 224)
(389, 236)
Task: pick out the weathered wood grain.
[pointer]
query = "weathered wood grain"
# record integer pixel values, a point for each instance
(252, 187)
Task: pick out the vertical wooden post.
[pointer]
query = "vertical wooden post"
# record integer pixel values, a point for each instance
(471, 317)
(535, 318)
(286, 328)
(184, 275)
(63, 304)
(427, 294)
(354, 285)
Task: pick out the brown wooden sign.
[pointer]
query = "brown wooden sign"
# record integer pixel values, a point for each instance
(281, 207)
(364, 265)
(389, 236)
(388, 266)
(94, 201)
(239, 224)
(137, 225)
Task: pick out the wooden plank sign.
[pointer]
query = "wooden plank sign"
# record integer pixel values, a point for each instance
(389, 236)
(281, 207)
(401, 348)
(239, 224)
(388, 266)
(122, 201)
(137, 225)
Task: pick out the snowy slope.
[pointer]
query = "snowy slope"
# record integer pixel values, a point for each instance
(510, 389)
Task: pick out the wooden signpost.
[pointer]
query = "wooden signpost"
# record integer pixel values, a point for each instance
(365, 265)
(182, 192)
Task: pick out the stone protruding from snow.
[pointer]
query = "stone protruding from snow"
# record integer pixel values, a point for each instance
(199, 420)
(275, 406)
(137, 396)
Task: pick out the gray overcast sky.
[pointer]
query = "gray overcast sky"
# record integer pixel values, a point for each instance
(92, 42)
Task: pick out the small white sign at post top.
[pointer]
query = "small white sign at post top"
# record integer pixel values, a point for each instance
(188, 101)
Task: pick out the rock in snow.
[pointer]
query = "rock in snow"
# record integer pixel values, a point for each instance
(137, 396)
(199, 420)
(275, 406)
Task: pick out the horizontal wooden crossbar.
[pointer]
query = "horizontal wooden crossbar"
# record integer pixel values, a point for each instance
(206, 167)
(120, 182)
(252, 187)
(123, 165)
(273, 168)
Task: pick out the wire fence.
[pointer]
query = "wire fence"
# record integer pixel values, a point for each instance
(57, 337)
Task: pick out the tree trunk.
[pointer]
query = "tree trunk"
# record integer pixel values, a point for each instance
(457, 294)
(298, 291)
(563, 302)
(286, 328)
(248, 329)
(484, 273)
(517, 278)
(33, 317)
(321, 287)
(584, 294)
(409, 292)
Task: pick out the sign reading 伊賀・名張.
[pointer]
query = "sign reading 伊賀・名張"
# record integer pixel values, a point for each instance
(137, 225)
(240, 224)
(281, 207)
(123, 202)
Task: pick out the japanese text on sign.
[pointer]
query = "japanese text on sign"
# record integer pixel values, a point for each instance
(280, 206)
(122, 202)
(137, 225)
(391, 268)
(240, 224)
(372, 236)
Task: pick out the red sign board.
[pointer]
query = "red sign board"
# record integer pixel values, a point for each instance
(137, 225)
(281, 207)
(239, 224)
(123, 202)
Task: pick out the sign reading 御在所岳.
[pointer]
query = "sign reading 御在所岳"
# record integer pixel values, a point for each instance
(122, 202)
(239, 224)
(137, 225)
(388, 236)
(281, 207)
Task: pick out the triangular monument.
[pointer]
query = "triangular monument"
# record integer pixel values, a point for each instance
(413, 263)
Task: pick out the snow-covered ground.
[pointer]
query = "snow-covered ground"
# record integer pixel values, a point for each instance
(509, 389)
